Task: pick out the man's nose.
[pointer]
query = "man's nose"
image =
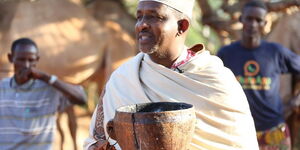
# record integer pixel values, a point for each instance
(142, 24)
(27, 64)
(253, 23)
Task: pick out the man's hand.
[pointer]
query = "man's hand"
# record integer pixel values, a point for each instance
(23, 74)
(291, 105)
(37, 74)
(295, 101)
(74, 94)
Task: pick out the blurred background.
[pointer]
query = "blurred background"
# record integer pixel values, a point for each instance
(83, 41)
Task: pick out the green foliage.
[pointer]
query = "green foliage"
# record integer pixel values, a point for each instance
(131, 6)
(215, 4)
(200, 33)
(194, 36)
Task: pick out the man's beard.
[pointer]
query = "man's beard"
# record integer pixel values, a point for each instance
(155, 51)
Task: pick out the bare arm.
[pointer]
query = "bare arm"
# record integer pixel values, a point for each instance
(296, 84)
(293, 104)
(73, 93)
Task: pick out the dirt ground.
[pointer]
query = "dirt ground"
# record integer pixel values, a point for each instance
(83, 121)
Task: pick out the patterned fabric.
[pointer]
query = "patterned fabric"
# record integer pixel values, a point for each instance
(277, 138)
(28, 114)
(184, 57)
(99, 133)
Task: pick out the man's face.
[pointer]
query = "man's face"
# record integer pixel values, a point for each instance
(156, 28)
(253, 20)
(23, 58)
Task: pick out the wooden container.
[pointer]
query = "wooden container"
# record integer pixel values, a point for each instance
(153, 126)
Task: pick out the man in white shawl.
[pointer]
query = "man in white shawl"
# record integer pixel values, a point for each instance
(167, 71)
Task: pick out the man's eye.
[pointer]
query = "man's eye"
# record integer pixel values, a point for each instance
(259, 20)
(160, 18)
(20, 59)
(150, 16)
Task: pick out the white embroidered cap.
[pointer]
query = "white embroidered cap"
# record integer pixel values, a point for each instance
(184, 6)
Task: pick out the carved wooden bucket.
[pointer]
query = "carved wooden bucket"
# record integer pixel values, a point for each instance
(153, 126)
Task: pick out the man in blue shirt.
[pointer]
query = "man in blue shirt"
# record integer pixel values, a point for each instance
(257, 65)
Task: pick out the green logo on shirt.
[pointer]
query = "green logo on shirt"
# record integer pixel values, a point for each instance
(251, 79)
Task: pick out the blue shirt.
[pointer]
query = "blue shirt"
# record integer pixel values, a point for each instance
(258, 71)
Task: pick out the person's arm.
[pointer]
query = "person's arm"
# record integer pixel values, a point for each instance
(74, 94)
(295, 101)
(290, 63)
(296, 84)
(291, 105)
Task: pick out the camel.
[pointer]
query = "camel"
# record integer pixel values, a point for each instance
(287, 33)
(73, 45)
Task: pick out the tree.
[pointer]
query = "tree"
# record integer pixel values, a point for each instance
(225, 18)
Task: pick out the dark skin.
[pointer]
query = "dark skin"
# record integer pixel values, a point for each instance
(253, 20)
(25, 58)
(160, 33)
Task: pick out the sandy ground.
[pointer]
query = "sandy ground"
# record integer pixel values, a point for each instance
(83, 122)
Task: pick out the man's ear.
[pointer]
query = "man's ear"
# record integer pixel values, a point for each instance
(183, 25)
(10, 57)
(265, 22)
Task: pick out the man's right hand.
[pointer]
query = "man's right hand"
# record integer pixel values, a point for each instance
(32, 73)
(23, 75)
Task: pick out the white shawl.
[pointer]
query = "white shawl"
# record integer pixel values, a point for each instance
(224, 121)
